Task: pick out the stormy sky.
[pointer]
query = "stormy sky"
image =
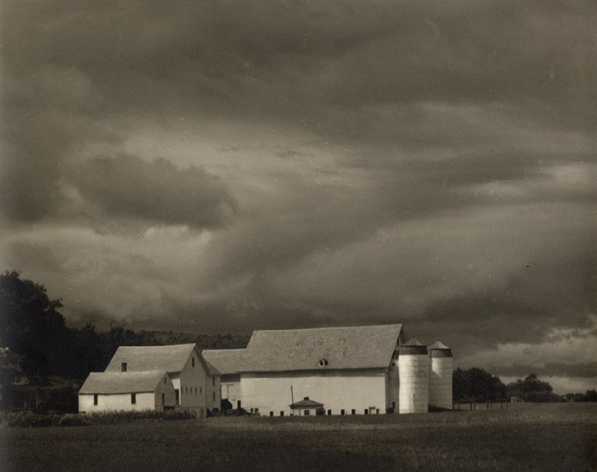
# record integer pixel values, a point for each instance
(223, 166)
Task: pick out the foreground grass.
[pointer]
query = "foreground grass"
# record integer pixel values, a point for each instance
(530, 438)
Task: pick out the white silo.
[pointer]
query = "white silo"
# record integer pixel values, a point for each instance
(413, 368)
(440, 376)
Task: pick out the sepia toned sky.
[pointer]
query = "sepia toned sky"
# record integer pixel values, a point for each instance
(224, 166)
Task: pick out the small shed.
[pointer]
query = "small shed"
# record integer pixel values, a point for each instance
(130, 391)
(307, 407)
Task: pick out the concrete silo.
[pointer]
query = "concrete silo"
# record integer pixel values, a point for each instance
(413, 368)
(440, 376)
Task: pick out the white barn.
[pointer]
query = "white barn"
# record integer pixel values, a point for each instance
(229, 363)
(350, 370)
(134, 391)
(195, 382)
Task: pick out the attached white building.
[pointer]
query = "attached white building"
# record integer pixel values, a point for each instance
(131, 391)
(195, 382)
(229, 363)
(351, 370)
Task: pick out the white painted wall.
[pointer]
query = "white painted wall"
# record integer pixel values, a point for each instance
(337, 390)
(414, 383)
(440, 382)
(117, 402)
(192, 382)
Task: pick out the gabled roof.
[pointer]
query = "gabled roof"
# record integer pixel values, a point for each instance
(169, 358)
(357, 347)
(227, 361)
(122, 382)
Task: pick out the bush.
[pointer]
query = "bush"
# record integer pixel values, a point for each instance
(131, 416)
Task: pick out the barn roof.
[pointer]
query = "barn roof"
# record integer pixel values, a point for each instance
(321, 348)
(227, 361)
(122, 382)
(169, 358)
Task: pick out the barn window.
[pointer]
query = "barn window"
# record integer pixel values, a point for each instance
(192, 361)
(306, 412)
(329, 412)
(163, 398)
(213, 381)
(366, 411)
(271, 413)
(133, 398)
(177, 395)
(354, 412)
(95, 399)
(342, 412)
(281, 413)
(123, 367)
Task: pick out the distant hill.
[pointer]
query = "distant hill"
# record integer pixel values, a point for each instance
(203, 341)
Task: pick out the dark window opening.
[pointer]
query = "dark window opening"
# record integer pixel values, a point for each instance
(177, 395)
(133, 398)
(354, 412)
(342, 412)
(329, 412)
(213, 381)
(192, 362)
(95, 397)
(271, 413)
(123, 367)
(163, 398)
(366, 411)
(256, 410)
(213, 396)
(281, 413)
(306, 412)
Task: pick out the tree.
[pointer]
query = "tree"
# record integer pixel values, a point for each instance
(531, 389)
(31, 325)
(477, 385)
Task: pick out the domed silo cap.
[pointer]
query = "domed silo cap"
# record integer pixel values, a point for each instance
(439, 349)
(412, 347)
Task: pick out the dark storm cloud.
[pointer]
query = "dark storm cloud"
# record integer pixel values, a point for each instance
(435, 104)
(156, 191)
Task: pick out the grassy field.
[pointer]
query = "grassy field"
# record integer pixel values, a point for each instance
(527, 437)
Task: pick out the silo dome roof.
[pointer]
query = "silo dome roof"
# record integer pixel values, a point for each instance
(412, 347)
(439, 349)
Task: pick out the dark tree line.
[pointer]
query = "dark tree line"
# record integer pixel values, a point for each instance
(477, 385)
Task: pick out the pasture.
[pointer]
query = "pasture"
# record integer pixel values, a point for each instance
(526, 437)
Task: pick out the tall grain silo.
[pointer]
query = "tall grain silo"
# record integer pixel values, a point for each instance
(440, 376)
(413, 367)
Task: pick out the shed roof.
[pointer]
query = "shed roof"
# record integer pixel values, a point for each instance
(122, 382)
(170, 358)
(355, 347)
(227, 361)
